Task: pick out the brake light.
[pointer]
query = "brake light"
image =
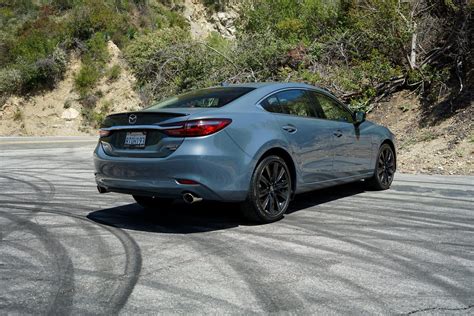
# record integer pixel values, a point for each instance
(186, 181)
(195, 128)
(103, 133)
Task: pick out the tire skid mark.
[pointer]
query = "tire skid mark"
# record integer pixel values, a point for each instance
(102, 288)
(276, 298)
(401, 221)
(195, 296)
(413, 215)
(37, 206)
(239, 263)
(413, 267)
(300, 259)
(62, 299)
(407, 213)
(133, 262)
(34, 252)
(398, 200)
(432, 182)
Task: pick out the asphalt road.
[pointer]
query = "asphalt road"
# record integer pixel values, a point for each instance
(66, 249)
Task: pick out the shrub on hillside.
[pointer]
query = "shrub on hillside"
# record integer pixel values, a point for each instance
(86, 79)
(289, 19)
(96, 49)
(113, 73)
(10, 81)
(168, 61)
(93, 66)
(94, 16)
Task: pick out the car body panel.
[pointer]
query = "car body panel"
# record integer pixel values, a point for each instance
(223, 163)
(311, 146)
(214, 161)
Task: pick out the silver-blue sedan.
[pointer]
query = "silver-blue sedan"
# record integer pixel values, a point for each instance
(256, 144)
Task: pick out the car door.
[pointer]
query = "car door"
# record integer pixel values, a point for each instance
(309, 137)
(352, 149)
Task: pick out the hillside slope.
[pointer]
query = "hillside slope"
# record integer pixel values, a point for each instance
(59, 112)
(436, 147)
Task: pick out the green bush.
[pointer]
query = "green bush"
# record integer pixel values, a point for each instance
(97, 51)
(93, 67)
(168, 61)
(216, 5)
(94, 16)
(113, 73)
(86, 79)
(10, 81)
(144, 47)
(289, 19)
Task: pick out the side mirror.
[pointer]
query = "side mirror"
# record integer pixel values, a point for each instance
(359, 117)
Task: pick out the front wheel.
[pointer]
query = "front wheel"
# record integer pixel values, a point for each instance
(150, 203)
(384, 169)
(270, 191)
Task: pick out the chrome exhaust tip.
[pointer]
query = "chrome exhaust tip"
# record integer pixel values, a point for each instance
(189, 198)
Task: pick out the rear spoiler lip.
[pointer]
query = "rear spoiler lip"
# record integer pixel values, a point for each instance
(139, 127)
(148, 113)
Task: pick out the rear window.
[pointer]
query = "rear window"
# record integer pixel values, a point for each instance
(206, 98)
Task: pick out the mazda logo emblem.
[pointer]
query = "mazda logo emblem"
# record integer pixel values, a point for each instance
(132, 119)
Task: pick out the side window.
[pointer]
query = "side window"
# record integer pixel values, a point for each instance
(295, 102)
(271, 104)
(313, 96)
(334, 111)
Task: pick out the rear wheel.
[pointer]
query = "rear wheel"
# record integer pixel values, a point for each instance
(384, 169)
(149, 203)
(270, 191)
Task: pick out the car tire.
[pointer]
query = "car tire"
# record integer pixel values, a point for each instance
(270, 191)
(151, 203)
(385, 167)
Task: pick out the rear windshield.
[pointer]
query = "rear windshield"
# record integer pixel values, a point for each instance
(206, 98)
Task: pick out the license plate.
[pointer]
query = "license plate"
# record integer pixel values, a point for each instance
(135, 140)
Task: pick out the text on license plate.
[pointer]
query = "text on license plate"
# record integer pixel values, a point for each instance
(135, 139)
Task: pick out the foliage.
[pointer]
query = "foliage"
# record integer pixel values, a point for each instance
(86, 79)
(33, 32)
(289, 19)
(95, 117)
(113, 73)
(216, 5)
(169, 61)
(93, 66)
(358, 49)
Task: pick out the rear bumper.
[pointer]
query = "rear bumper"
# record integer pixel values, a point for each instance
(221, 168)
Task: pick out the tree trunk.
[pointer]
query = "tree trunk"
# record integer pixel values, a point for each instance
(413, 48)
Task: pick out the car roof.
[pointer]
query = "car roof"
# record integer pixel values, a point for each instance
(275, 85)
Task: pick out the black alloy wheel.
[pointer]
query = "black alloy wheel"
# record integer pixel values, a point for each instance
(270, 192)
(385, 168)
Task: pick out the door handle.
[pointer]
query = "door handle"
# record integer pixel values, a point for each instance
(290, 129)
(338, 133)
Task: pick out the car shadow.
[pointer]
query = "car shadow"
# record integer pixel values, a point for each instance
(317, 197)
(181, 218)
(177, 218)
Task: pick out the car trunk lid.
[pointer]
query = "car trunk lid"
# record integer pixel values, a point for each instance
(138, 134)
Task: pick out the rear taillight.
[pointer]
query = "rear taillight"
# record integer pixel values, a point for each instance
(103, 133)
(196, 128)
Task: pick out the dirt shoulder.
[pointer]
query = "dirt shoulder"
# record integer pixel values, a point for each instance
(444, 146)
